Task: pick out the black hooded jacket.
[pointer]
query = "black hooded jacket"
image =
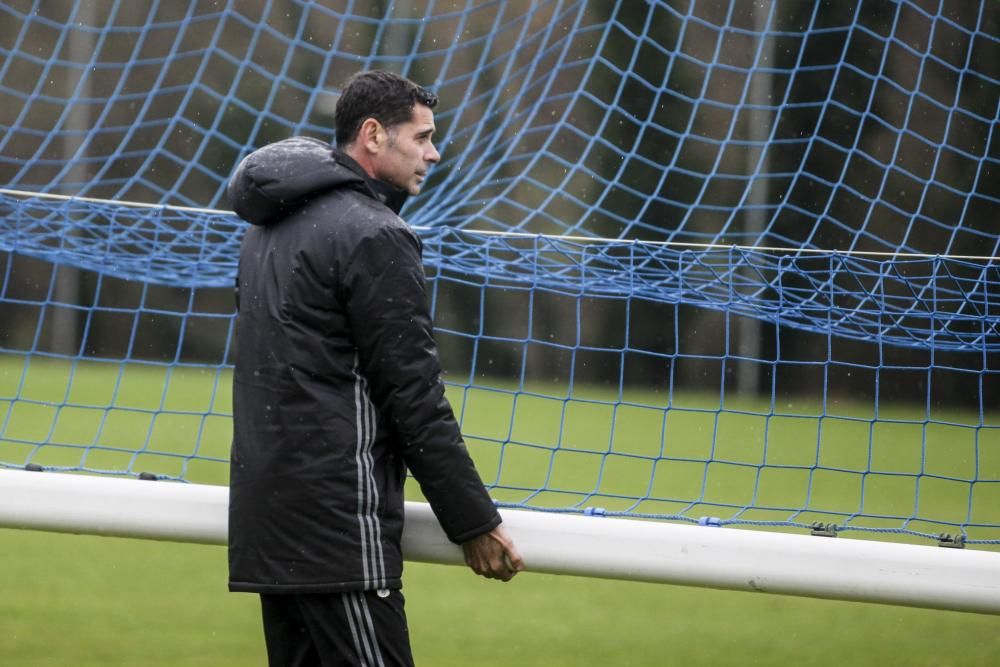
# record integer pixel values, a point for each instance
(337, 385)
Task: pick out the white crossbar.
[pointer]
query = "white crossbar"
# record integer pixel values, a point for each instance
(842, 569)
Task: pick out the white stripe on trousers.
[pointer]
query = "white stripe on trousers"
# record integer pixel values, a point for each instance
(362, 629)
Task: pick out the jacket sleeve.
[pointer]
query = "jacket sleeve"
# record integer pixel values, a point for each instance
(386, 304)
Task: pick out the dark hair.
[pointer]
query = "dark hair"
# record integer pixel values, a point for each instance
(384, 96)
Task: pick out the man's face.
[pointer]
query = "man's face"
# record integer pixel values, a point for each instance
(410, 153)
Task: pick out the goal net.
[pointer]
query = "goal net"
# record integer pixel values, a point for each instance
(718, 263)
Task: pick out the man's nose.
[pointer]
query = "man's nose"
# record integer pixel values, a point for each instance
(432, 154)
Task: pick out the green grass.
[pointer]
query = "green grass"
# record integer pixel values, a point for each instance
(91, 601)
(84, 600)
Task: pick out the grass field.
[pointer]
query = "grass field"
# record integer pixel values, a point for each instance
(78, 600)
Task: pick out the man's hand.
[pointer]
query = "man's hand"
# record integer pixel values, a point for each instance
(493, 555)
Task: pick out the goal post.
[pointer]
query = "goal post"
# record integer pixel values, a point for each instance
(763, 562)
(535, 439)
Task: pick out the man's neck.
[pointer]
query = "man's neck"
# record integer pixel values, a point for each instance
(363, 158)
(389, 195)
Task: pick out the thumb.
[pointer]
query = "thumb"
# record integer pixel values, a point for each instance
(512, 558)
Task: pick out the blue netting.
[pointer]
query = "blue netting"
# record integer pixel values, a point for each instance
(806, 331)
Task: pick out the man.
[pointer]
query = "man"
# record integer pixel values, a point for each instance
(337, 387)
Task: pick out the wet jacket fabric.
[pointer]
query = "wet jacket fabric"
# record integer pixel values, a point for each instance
(337, 387)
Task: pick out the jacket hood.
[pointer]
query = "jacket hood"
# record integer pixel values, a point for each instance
(278, 178)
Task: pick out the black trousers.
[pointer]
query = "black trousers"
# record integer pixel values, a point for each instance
(336, 629)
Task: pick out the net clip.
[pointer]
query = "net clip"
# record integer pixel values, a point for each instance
(821, 529)
(950, 541)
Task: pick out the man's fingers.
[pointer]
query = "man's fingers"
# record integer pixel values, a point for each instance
(512, 558)
(493, 555)
(504, 573)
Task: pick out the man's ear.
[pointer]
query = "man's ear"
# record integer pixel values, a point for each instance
(371, 135)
